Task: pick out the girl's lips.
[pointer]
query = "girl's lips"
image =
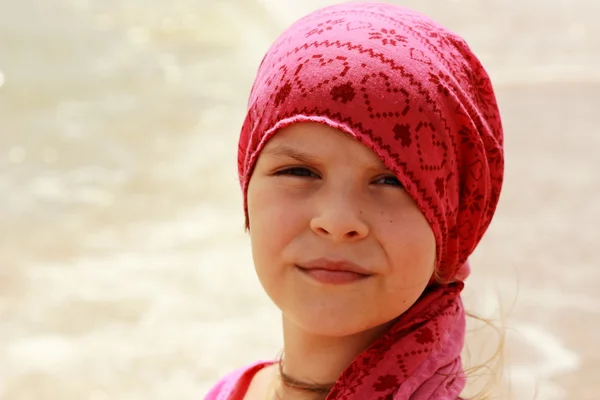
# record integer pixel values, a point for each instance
(335, 265)
(328, 271)
(328, 276)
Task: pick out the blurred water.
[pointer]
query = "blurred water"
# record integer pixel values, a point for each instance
(124, 270)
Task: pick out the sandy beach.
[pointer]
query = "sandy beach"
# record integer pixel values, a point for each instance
(125, 272)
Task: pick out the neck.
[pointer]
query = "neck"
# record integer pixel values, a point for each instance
(317, 359)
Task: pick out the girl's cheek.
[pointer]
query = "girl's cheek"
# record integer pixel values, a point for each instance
(274, 209)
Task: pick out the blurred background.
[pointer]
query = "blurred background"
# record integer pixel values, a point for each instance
(124, 269)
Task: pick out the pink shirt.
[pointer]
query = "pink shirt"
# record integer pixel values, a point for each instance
(234, 385)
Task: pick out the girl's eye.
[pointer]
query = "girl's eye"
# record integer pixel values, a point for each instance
(297, 171)
(389, 180)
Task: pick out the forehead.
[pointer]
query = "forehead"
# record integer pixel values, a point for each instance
(312, 141)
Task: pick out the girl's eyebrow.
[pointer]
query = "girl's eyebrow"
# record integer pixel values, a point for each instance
(304, 158)
(286, 151)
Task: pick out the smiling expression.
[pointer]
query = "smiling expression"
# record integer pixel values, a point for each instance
(338, 244)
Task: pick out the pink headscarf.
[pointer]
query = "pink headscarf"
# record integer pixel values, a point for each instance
(415, 94)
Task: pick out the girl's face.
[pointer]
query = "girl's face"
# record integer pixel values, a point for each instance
(323, 207)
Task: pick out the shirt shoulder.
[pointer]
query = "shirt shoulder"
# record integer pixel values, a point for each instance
(225, 387)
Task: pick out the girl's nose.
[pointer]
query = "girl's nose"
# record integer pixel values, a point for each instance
(340, 219)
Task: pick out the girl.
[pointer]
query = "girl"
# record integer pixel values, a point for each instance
(371, 163)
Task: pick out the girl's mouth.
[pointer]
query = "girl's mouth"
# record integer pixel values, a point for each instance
(334, 272)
